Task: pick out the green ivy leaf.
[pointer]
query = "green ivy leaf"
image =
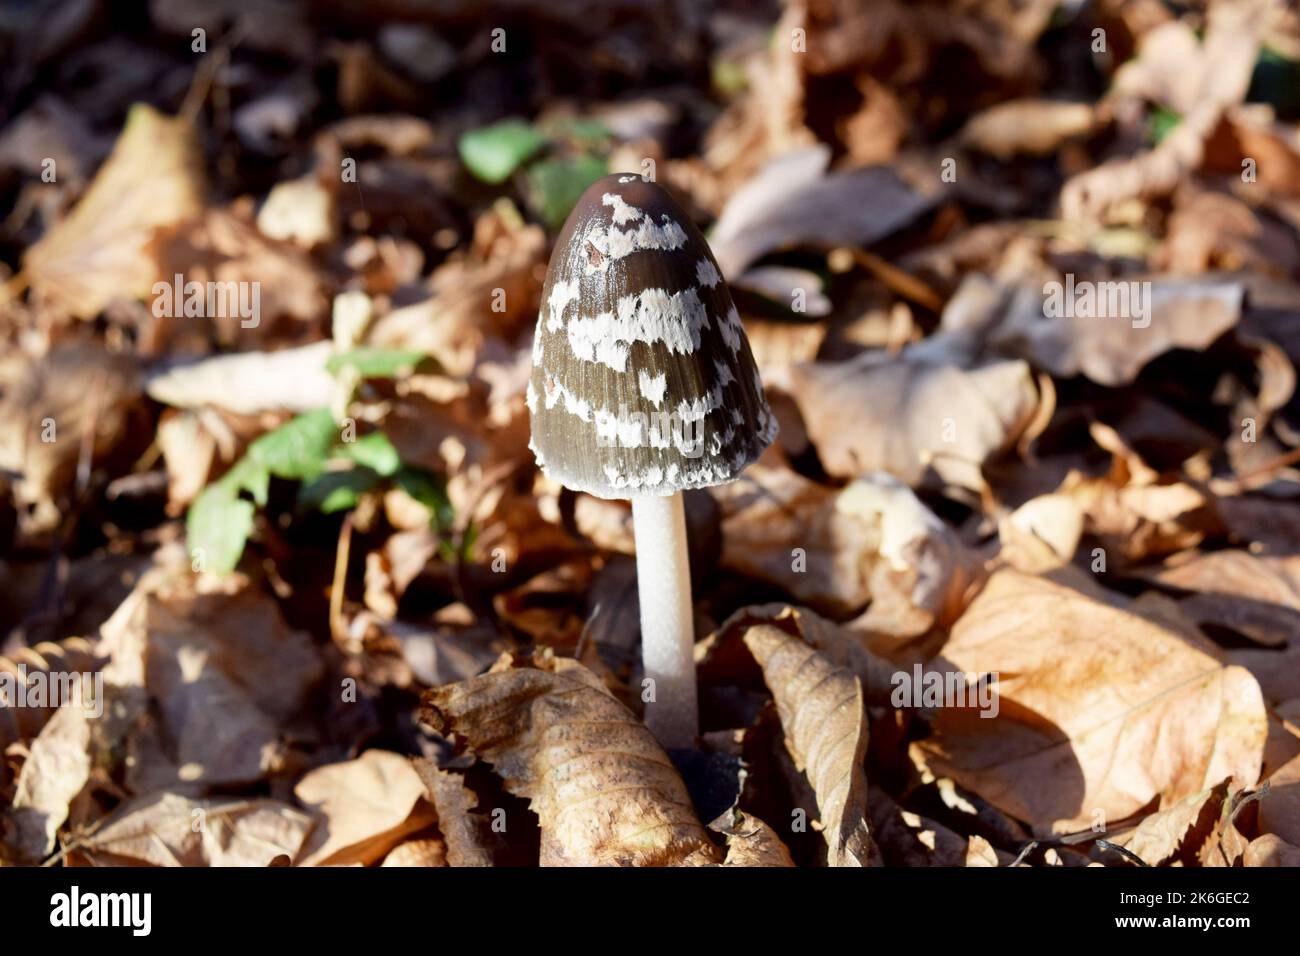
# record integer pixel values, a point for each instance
(297, 449)
(493, 152)
(555, 185)
(217, 527)
(372, 362)
(373, 451)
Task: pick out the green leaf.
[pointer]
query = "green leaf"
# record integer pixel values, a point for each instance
(374, 362)
(336, 490)
(217, 527)
(580, 130)
(556, 184)
(248, 475)
(1163, 121)
(493, 152)
(431, 491)
(373, 451)
(299, 448)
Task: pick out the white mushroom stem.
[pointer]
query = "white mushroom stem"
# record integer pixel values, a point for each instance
(667, 623)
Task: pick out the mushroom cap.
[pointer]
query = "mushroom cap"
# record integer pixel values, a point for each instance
(643, 382)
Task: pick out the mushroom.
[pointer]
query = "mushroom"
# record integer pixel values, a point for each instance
(643, 385)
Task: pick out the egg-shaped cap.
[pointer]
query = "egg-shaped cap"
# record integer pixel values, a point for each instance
(643, 382)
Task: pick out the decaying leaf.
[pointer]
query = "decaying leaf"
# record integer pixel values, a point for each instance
(1034, 127)
(1179, 832)
(468, 837)
(821, 709)
(793, 201)
(60, 415)
(750, 841)
(170, 829)
(366, 807)
(603, 790)
(1099, 708)
(1254, 595)
(926, 418)
(836, 550)
(152, 179)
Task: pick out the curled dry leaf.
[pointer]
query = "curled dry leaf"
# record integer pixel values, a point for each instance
(170, 829)
(1042, 534)
(1178, 833)
(152, 179)
(1099, 708)
(841, 646)
(825, 723)
(928, 419)
(468, 837)
(365, 806)
(603, 790)
(836, 550)
(750, 841)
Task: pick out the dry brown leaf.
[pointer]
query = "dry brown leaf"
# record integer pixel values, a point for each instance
(1257, 596)
(224, 246)
(469, 838)
(1270, 850)
(366, 807)
(1099, 709)
(248, 383)
(170, 829)
(1204, 79)
(427, 852)
(927, 420)
(836, 550)
(98, 253)
(1042, 534)
(750, 841)
(1110, 349)
(1029, 126)
(793, 201)
(1178, 833)
(69, 409)
(1279, 809)
(841, 646)
(223, 672)
(822, 713)
(603, 790)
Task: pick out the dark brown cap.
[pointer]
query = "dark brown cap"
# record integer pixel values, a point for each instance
(643, 382)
